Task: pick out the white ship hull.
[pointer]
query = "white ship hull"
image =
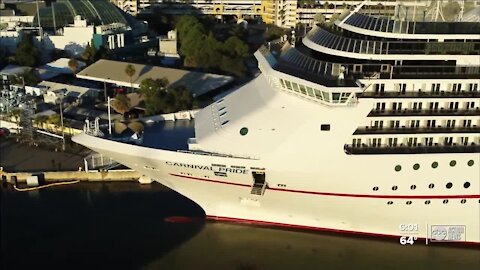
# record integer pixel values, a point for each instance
(341, 205)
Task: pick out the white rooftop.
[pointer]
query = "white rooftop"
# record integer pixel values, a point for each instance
(113, 72)
(61, 66)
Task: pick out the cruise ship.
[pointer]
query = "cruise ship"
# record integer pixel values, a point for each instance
(368, 125)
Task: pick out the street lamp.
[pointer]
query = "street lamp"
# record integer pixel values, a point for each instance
(61, 120)
(109, 117)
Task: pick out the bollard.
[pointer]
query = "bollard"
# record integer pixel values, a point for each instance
(14, 180)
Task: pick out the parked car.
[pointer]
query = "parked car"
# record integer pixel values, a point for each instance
(4, 132)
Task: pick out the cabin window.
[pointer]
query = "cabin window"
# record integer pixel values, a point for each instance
(325, 127)
(288, 85)
(310, 92)
(326, 96)
(295, 87)
(302, 89)
(243, 131)
(336, 97)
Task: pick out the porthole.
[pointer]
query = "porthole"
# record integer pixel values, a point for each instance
(470, 163)
(463, 201)
(427, 202)
(389, 202)
(394, 188)
(412, 187)
(409, 202)
(398, 168)
(431, 185)
(434, 164)
(416, 166)
(445, 201)
(449, 185)
(466, 185)
(243, 131)
(375, 188)
(453, 163)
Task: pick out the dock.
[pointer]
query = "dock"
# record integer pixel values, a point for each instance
(82, 176)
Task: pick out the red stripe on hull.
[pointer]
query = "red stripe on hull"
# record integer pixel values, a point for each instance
(311, 228)
(340, 194)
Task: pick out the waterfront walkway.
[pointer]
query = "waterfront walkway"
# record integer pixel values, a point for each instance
(16, 157)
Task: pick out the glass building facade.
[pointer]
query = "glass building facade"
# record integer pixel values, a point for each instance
(62, 13)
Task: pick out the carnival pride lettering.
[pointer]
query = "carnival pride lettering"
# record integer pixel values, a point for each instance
(208, 168)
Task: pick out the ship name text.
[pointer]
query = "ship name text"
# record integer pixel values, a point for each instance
(208, 168)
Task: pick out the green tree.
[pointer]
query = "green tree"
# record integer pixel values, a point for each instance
(40, 120)
(274, 32)
(334, 17)
(130, 71)
(121, 104)
(28, 77)
(154, 92)
(90, 54)
(233, 66)
(27, 54)
(73, 66)
(150, 87)
(236, 47)
(54, 120)
(319, 18)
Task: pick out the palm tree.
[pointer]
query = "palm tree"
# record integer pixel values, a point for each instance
(54, 119)
(130, 71)
(121, 104)
(40, 120)
(73, 65)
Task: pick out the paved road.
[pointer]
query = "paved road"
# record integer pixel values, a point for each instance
(15, 157)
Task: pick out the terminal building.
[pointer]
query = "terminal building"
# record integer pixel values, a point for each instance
(283, 13)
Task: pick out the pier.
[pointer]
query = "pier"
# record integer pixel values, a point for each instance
(82, 176)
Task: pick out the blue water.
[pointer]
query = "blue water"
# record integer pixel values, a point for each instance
(122, 226)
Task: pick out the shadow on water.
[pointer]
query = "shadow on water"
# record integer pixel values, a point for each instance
(240, 247)
(121, 226)
(92, 226)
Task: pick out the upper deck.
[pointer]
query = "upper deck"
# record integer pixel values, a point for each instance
(385, 27)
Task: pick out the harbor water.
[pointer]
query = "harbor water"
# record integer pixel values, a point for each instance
(124, 226)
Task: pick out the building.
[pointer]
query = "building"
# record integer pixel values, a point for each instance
(113, 72)
(128, 6)
(60, 66)
(10, 36)
(283, 13)
(168, 47)
(54, 92)
(72, 24)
